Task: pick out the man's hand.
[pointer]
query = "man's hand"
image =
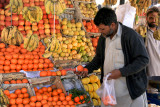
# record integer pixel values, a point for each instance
(81, 73)
(115, 74)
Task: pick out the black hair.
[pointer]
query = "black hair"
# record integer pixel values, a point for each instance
(105, 16)
(152, 9)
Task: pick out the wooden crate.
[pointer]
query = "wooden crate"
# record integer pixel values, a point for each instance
(47, 81)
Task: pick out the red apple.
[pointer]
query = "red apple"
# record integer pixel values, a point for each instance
(40, 22)
(8, 23)
(52, 31)
(20, 16)
(2, 1)
(46, 26)
(58, 30)
(31, 1)
(1, 5)
(29, 31)
(2, 11)
(42, 7)
(44, 16)
(2, 27)
(37, 4)
(41, 3)
(51, 21)
(71, 6)
(36, 0)
(20, 28)
(45, 20)
(2, 17)
(34, 28)
(8, 18)
(23, 32)
(50, 16)
(34, 24)
(36, 32)
(32, 4)
(44, 11)
(56, 21)
(40, 26)
(41, 31)
(58, 26)
(25, 1)
(26, 4)
(2, 22)
(21, 22)
(52, 26)
(15, 23)
(27, 23)
(27, 27)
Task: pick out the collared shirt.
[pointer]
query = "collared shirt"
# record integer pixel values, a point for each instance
(114, 59)
(153, 48)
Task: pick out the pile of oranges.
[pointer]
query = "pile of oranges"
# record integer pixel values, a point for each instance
(16, 81)
(49, 73)
(16, 58)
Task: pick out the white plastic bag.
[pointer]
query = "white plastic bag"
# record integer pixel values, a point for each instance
(126, 14)
(107, 92)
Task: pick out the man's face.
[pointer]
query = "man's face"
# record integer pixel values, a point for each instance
(152, 19)
(105, 30)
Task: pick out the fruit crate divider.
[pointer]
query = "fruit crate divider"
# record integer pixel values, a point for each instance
(11, 87)
(51, 80)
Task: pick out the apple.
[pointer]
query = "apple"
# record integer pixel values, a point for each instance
(37, 3)
(26, 4)
(40, 26)
(2, 27)
(42, 7)
(27, 27)
(8, 23)
(52, 26)
(21, 22)
(82, 33)
(52, 31)
(41, 3)
(2, 1)
(7, 1)
(40, 22)
(45, 21)
(32, 4)
(41, 31)
(1, 5)
(58, 26)
(51, 21)
(34, 28)
(34, 24)
(27, 23)
(23, 32)
(8, 18)
(2, 17)
(31, 1)
(44, 12)
(56, 21)
(20, 27)
(71, 6)
(15, 23)
(20, 16)
(44, 16)
(2, 11)
(58, 30)
(46, 26)
(50, 16)
(36, 32)
(47, 31)
(29, 32)
(2, 22)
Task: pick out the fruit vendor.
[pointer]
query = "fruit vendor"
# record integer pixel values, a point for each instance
(152, 45)
(121, 52)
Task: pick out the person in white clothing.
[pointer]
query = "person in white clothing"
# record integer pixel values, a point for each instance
(152, 45)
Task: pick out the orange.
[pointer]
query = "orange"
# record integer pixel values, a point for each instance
(39, 97)
(23, 51)
(63, 72)
(45, 105)
(55, 98)
(44, 102)
(36, 57)
(40, 65)
(1, 67)
(6, 82)
(59, 91)
(64, 102)
(19, 81)
(47, 61)
(45, 97)
(24, 67)
(13, 82)
(20, 105)
(38, 104)
(76, 99)
(51, 65)
(40, 91)
(2, 45)
(62, 98)
(30, 66)
(80, 68)
(26, 95)
(30, 61)
(35, 61)
(6, 92)
(49, 103)
(16, 50)
(49, 73)
(14, 61)
(50, 98)
(2, 62)
(45, 65)
(49, 89)
(22, 46)
(9, 50)
(32, 104)
(20, 96)
(62, 94)
(19, 101)
(54, 73)
(7, 62)
(59, 103)
(35, 66)
(24, 90)
(35, 89)
(21, 56)
(26, 105)
(27, 56)
(33, 98)
(8, 57)
(18, 91)
(70, 102)
(1, 71)
(12, 101)
(3, 50)
(54, 93)
(53, 103)
(13, 70)
(25, 81)
(13, 66)
(68, 98)
(6, 68)
(20, 61)
(2, 58)
(18, 67)
(26, 61)
(26, 101)
(43, 73)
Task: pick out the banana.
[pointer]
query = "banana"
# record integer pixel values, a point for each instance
(47, 55)
(26, 40)
(52, 47)
(57, 45)
(52, 8)
(4, 34)
(31, 42)
(47, 7)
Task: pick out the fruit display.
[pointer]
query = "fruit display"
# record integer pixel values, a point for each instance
(31, 42)
(3, 98)
(69, 3)
(77, 47)
(16, 5)
(71, 28)
(90, 26)
(32, 14)
(88, 10)
(142, 30)
(53, 73)
(16, 58)
(55, 7)
(156, 34)
(109, 2)
(91, 84)
(10, 35)
(16, 81)
(95, 42)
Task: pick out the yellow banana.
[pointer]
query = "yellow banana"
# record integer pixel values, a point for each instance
(47, 7)
(26, 40)
(47, 55)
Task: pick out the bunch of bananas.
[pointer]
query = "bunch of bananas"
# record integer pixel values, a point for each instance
(54, 46)
(3, 98)
(32, 14)
(31, 42)
(156, 34)
(142, 30)
(109, 2)
(11, 35)
(16, 5)
(60, 6)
